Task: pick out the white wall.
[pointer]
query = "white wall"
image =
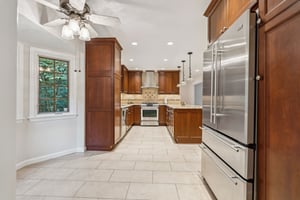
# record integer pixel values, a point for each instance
(187, 91)
(8, 98)
(40, 140)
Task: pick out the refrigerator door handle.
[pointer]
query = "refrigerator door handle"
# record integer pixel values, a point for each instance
(215, 81)
(211, 83)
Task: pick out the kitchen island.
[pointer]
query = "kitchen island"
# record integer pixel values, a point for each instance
(183, 122)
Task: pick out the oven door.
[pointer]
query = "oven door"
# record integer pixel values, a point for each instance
(149, 114)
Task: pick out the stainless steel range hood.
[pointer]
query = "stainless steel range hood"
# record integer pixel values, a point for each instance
(150, 79)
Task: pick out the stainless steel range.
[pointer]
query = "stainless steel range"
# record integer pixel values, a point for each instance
(149, 114)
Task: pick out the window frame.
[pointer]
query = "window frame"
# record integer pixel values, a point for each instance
(54, 74)
(34, 115)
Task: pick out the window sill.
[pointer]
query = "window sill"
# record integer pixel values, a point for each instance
(52, 117)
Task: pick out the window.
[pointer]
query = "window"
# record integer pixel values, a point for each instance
(52, 85)
(198, 94)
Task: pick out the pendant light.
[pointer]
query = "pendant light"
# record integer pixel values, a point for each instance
(183, 81)
(190, 66)
(178, 85)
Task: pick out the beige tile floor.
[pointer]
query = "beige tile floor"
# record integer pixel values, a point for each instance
(146, 165)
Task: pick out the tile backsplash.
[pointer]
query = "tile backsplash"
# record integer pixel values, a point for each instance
(149, 95)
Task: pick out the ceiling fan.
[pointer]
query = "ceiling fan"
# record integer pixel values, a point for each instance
(78, 19)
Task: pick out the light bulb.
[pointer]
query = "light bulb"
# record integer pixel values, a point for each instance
(74, 26)
(84, 34)
(67, 33)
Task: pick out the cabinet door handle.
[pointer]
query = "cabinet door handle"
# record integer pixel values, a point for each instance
(224, 29)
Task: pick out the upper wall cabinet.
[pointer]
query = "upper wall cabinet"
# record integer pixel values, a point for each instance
(269, 9)
(167, 82)
(222, 13)
(134, 82)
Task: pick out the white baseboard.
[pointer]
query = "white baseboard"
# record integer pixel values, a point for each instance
(81, 149)
(47, 157)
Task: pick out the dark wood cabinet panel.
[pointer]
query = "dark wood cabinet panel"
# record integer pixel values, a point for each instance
(271, 8)
(103, 87)
(99, 137)
(124, 87)
(183, 125)
(137, 114)
(134, 82)
(175, 81)
(99, 58)
(117, 63)
(279, 107)
(167, 82)
(217, 22)
(130, 116)
(186, 125)
(99, 93)
(236, 7)
(162, 115)
(117, 107)
(222, 13)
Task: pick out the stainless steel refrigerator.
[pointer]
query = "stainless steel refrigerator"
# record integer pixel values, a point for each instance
(228, 146)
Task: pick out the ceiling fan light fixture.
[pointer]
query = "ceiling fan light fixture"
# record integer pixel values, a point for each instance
(67, 33)
(84, 34)
(74, 26)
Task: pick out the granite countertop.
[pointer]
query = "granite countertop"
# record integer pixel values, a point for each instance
(185, 106)
(169, 105)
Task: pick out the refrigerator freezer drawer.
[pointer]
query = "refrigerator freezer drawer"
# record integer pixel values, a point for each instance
(225, 184)
(240, 158)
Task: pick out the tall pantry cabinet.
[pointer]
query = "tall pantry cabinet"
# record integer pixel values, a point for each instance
(279, 100)
(103, 93)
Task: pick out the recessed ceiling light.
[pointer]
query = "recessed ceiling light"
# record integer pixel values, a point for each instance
(163, 68)
(131, 59)
(170, 43)
(134, 43)
(166, 60)
(136, 68)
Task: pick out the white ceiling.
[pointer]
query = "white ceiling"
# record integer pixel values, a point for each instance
(150, 23)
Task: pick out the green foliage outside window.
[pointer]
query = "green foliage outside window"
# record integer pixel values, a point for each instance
(53, 85)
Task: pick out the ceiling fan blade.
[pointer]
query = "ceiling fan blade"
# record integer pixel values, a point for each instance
(56, 22)
(48, 4)
(78, 4)
(93, 32)
(103, 20)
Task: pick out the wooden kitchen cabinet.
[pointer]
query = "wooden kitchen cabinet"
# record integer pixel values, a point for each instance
(130, 117)
(167, 82)
(217, 20)
(134, 82)
(222, 13)
(170, 120)
(102, 98)
(137, 114)
(271, 8)
(162, 115)
(183, 125)
(278, 101)
(124, 87)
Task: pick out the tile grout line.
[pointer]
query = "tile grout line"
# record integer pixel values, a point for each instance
(79, 188)
(177, 192)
